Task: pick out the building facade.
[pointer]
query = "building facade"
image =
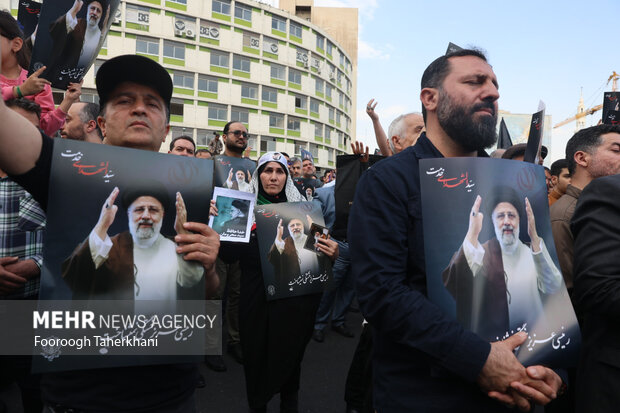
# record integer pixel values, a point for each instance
(291, 82)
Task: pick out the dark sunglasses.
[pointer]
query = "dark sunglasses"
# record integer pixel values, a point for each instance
(238, 133)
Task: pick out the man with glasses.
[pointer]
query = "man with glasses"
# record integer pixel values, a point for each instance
(235, 137)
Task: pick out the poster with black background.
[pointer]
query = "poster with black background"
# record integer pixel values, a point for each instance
(233, 173)
(288, 268)
(611, 103)
(481, 217)
(142, 266)
(28, 16)
(69, 49)
(349, 170)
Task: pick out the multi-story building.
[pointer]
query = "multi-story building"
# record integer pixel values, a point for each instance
(292, 82)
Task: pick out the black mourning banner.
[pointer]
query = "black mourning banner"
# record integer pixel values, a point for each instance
(289, 269)
(28, 16)
(611, 102)
(233, 173)
(111, 225)
(534, 139)
(68, 46)
(349, 170)
(484, 265)
(453, 48)
(504, 141)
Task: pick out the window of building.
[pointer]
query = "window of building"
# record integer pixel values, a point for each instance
(338, 116)
(302, 55)
(241, 63)
(252, 142)
(314, 105)
(218, 112)
(184, 80)
(179, 1)
(328, 90)
(221, 6)
(243, 12)
(174, 50)
(314, 150)
(320, 41)
(339, 77)
(295, 29)
(331, 114)
(203, 137)
(147, 45)
(341, 138)
(138, 15)
(301, 102)
(207, 84)
(176, 107)
(249, 91)
(330, 154)
(341, 59)
(278, 23)
(278, 72)
(239, 115)
(176, 131)
(318, 129)
(276, 120)
(328, 134)
(270, 45)
(209, 30)
(329, 47)
(340, 98)
(251, 40)
(319, 85)
(270, 94)
(293, 124)
(219, 59)
(267, 144)
(294, 76)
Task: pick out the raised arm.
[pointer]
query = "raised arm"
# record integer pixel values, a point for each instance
(17, 132)
(382, 139)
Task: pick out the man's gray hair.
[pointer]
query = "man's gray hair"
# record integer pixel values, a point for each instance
(397, 128)
(294, 160)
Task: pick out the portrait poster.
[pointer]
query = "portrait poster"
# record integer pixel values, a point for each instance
(112, 217)
(233, 173)
(28, 16)
(69, 37)
(316, 232)
(350, 170)
(491, 261)
(306, 186)
(235, 211)
(288, 268)
(611, 103)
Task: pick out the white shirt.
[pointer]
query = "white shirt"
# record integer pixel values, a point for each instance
(528, 274)
(92, 36)
(158, 268)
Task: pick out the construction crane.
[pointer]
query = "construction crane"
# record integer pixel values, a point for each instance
(614, 86)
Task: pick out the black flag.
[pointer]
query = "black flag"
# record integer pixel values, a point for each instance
(453, 48)
(611, 102)
(504, 141)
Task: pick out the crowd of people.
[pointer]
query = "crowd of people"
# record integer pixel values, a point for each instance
(411, 356)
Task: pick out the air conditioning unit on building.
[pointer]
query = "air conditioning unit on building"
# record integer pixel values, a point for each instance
(306, 65)
(332, 76)
(189, 33)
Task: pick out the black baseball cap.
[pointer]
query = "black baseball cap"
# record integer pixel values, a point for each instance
(133, 68)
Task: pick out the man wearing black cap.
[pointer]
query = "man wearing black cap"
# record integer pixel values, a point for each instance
(138, 264)
(498, 285)
(134, 93)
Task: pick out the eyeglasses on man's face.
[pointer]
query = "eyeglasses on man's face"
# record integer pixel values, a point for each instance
(238, 133)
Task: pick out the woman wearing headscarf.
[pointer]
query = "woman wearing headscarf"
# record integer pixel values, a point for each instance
(274, 334)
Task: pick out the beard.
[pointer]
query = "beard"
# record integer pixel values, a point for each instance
(144, 236)
(93, 22)
(509, 242)
(232, 146)
(297, 236)
(461, 126)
